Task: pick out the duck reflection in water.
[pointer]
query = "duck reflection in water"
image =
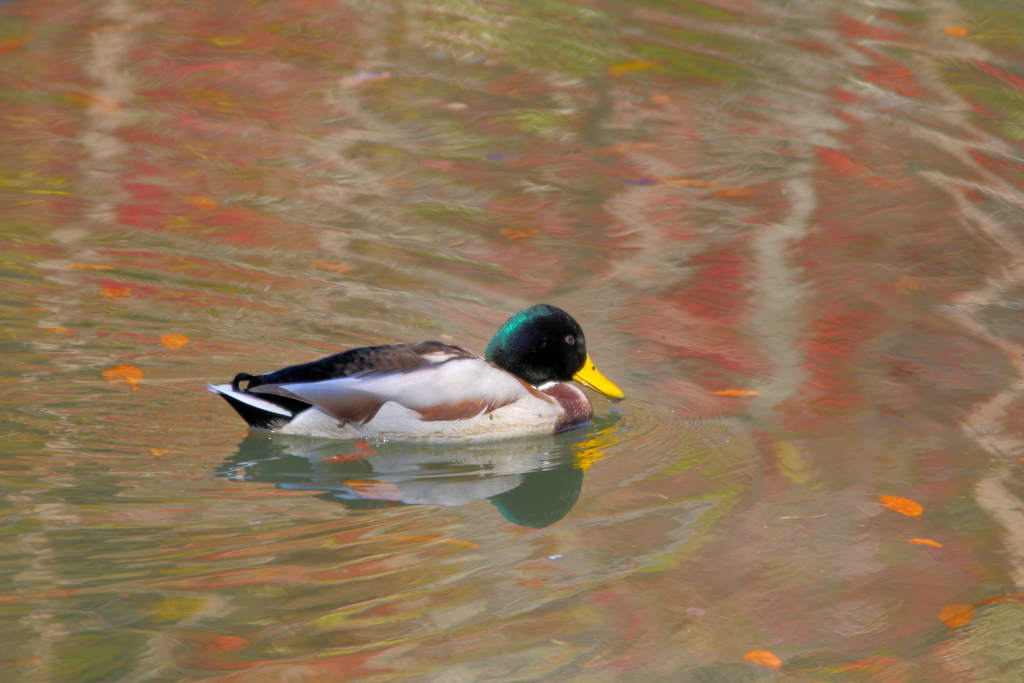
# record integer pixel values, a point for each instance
(533, 482)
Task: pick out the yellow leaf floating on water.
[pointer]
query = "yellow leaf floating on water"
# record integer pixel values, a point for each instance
(903, 505)
(737, 392)
(956, 31)
(158, 451)
(129, 373)
(764, 658)
(925, 541)
(174, 341)
(57, 329)
(629, 67)
(957, 614)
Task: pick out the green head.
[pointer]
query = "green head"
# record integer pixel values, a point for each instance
(544, 344)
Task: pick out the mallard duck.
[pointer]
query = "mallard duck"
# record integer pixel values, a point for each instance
(432, 390)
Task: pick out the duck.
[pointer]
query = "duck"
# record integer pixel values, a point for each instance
(432, 390)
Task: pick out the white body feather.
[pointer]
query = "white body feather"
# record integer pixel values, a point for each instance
(499, 405)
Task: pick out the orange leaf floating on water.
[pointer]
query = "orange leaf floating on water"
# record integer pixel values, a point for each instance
(372, 488)
(333, 267)
(40, 308)
(957, 614)
(202, 202)
(955, 31)
(628, 67)
(174, 341)
(115, 292)
(89, 266)
(158, 451)
(517, 234)
(925, 541)
(764, 658)
(904, 505)
(129, 373)
(57, 329)
(735, 192)
(737, 392)
(660, 98)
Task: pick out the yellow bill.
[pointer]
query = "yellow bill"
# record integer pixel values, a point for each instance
(590, 377)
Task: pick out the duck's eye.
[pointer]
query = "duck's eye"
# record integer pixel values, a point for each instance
(570, 340)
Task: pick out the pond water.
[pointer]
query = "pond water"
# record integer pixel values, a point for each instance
(790, 229)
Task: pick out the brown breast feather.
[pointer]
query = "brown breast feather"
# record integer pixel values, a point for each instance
(573, 401)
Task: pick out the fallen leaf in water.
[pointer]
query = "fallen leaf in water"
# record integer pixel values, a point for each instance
(129, 373)
(202, 202)
(904, 505)
(57, 329)
(955, 31)
(174, 341)
(957, 614)
(735, 192)
(763, 658)
(89, 266)
(332, 267)
(628, 67)
(737, 392)
(158, 451)
(907, 284)
(40, 308)
(925, 541)
(660, 98)
(22, 661)
(372, 488)
(115, 292)
(518, 234)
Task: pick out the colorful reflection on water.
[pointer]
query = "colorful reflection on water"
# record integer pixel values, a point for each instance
(791, 231)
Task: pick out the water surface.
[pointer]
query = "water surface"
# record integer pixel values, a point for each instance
(790, 230)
